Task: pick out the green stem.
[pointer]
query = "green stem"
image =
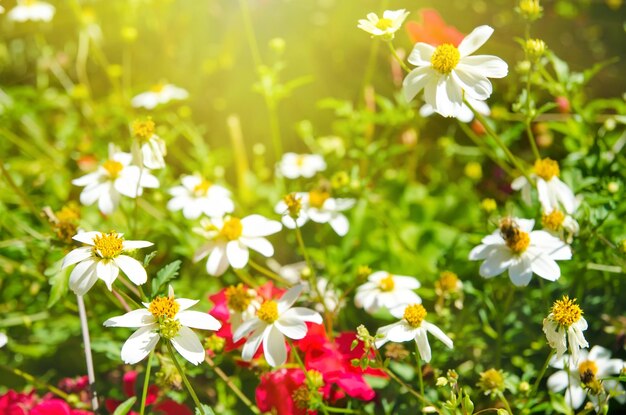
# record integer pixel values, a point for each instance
(397, 58)
(185, 380)
(233, 387)
(244, 278)
(146, 382)
(268, 273)
(420, 376)
(506, 403)
(542, 372)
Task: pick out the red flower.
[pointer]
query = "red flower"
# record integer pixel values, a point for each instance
(433, 30)
(275, 392)
(15, 403)
(56, 407)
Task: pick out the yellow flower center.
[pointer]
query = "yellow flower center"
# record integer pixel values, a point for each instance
(238, 298)
(300, 159)
(415, 314)
(445, 58)
(168, 328)
(113, 168)
(202, 188)
(553, 220)
(566, 312)
(157, 88)
(294, 204)
(384, 23)
(301, 397)
(143, 129)
(387, 283)
(317, 198)
(231, 229)
(515, 239)
(547, 169)
(448, 282)
(69, 213)
(491, 380)
(162, 307)
(588, 366)
(108, 245)
(268, 312)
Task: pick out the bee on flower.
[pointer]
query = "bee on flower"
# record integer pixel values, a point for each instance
(103, 257)
(413, 326)
(448, 73)
(148, 146)
(230, 238)
(159, 94)
(385, 290)
(564, 327)
(274, 321)
(167, 318)
(520, 250)
(384, 27)
(318, 206)
(32, 10)
(197, 196)
(294, 165)
(113, 178)
(589, 373)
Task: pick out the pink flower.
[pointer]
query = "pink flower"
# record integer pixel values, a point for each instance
(275, 392)
(433, 30)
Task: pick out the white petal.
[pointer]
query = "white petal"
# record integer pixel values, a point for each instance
(135, 318)
(88, 179)
(188, 345)
(481, 251)
(415, 81)
(132, 268)
(247, 327)
(340, 224)
(107, 271)
(76, 255)
(422, 344)
(289, 298)
(401, 332)
(274, 347)
(128, 245)
(86, 237)
(558, 381)
(83, 277)
(261, 245)
(291, 327)
(421, 54)
(474, 84)
(252, 344)
(521, 272)
(303, 314)
(475, 40)
(487, 65)
(407, 282)
(575, 396)
(198, 320)
(109, 200)
(496, 263)
(257, 225)
(218, 262)
(185, 303)
(139, 345)
(203, 251)
(438, 333)
(237, 254)
(545, 267)
(91, 193)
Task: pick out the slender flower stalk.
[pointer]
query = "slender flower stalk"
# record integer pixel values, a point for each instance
(181, 371)
(87, 345)
(146, 382)
(232, 386)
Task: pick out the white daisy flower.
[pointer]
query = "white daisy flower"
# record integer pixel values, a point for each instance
(516, 247)
(231, 237)
(294, 165)
(159, 94)
(559, 223)
(564, 326)
(167, 318)
(31, 10)
(385, 26)
(413, 327)
(273, 321)
(318, 206)
(292, 273)
(447, 73)
(593, 365)
(103, 258)
(152, 150)
(553, 193)
(242, 304)
(385, 290)
(465, 113)
(113, 178)
(199, 196)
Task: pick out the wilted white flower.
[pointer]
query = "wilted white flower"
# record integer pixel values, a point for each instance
(273, 321)
(167, 318)
(559, 223)
(115, 177)
(447, 73)
(231, 237)
(149, 146)
(198, 195)
(385, 26)
(564, 326)
(591, 367)
(294, 165)
(103, 258)
(413, 327)
(31, 10)
(516, 247)
(385, 290)
(159, 94)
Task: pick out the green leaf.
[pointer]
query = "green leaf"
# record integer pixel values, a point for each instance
(125, 407)
(559, 404)
(165, 275)
(148, 258)
(59, 280)
(207, 410)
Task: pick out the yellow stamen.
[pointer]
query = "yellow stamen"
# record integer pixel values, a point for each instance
(169, 328)
(387, 283)
(588, 366)
(491, 381)
(231, 229)
(445, 58)
(553, 221)
(202, 188)
(113, 168)
(566, 312)
(317, 198)
(143, 129)
(384, 23)
(162, 307)
(300, 159)
(108, 245)
(415, 314)
(238, 298)
(157, 88)
(294, 204)
(547, 169)
(268, 312)
(448, 282)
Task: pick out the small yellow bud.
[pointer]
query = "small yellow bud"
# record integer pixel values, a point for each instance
(530, 9)
(474, 170)
(534, 48)
(488, 205)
